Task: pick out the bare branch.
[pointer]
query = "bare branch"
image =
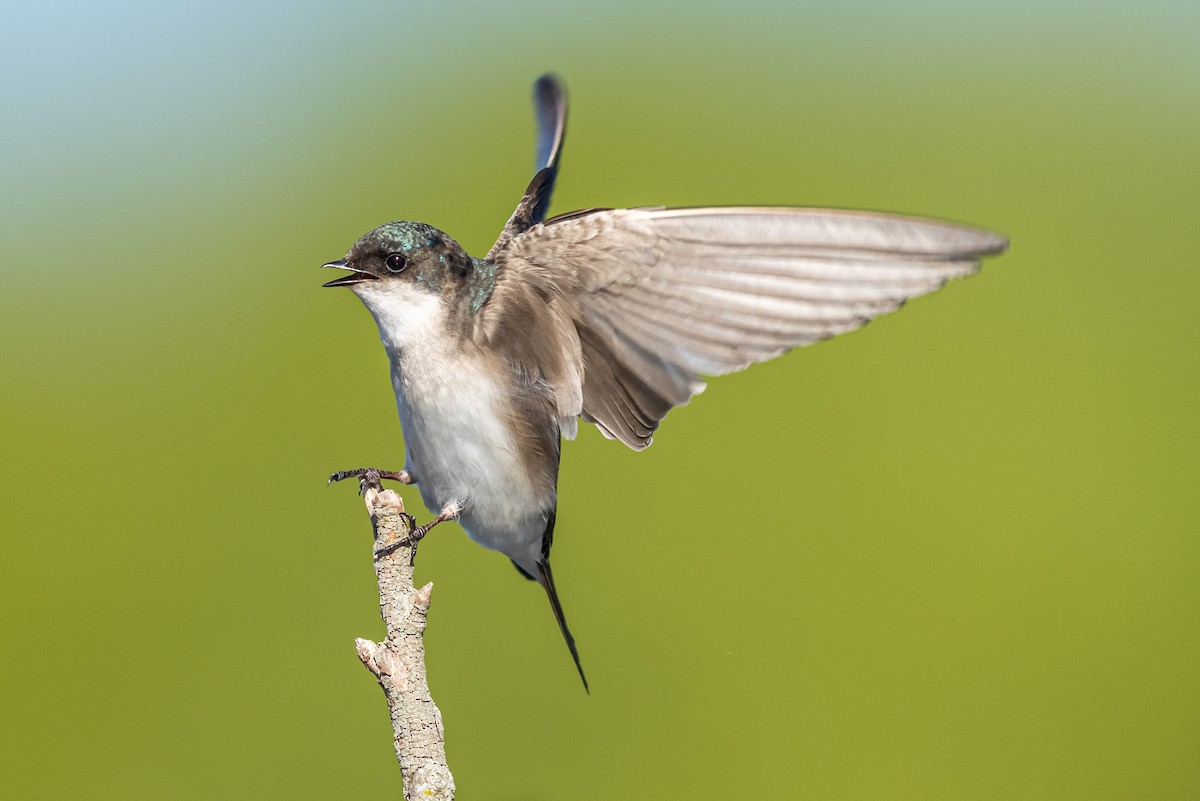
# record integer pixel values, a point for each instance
(398, 663)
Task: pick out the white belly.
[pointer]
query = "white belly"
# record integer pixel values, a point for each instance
(460, 451)
(457, 444)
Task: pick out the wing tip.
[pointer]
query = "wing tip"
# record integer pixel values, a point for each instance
(546, 579)
(990, 243)
(548, 87)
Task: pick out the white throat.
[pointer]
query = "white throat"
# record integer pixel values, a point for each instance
(407, 315)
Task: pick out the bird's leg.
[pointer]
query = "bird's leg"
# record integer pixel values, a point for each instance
(449, 512)
(371, 475)
(365, 474)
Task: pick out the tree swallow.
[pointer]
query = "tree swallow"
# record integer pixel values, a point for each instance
(612, 316)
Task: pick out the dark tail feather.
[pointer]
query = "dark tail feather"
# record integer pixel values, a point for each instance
(547, 581)
(521, 570)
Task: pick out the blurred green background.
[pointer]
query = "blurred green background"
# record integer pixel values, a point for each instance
(952, 556)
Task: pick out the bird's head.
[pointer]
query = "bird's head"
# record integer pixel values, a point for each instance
(410, 273)
(404, 252)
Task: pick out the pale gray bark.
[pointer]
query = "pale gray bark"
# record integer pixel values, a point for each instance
(398, 663)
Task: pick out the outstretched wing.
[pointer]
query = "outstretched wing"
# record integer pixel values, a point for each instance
(660, 297)
(550, 110)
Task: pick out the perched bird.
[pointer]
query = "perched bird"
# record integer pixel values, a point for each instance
(612, 316)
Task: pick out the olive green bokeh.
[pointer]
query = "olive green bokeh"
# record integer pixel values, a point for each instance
(952, 556)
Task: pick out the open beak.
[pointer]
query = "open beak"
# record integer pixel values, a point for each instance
(356, 275)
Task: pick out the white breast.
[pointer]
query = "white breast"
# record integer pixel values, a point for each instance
(457, 444)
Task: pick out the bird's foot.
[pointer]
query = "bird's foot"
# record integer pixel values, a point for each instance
(371, 475)
(449, 512)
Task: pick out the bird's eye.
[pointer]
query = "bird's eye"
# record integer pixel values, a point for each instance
(395, 262)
